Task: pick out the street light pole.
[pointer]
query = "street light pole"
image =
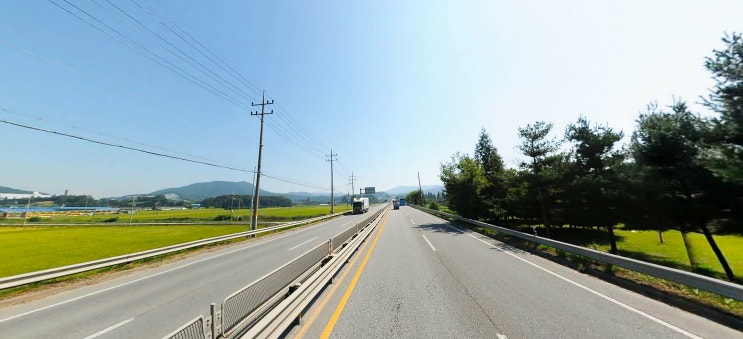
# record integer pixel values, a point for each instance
(239, 202)
(28, 205)
(131, 214)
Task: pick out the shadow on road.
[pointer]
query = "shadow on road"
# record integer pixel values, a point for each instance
(449, 229)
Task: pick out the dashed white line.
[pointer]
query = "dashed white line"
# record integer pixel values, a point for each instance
(101, 332)
(412, 222)
(153, 275)
(500, 336)
(302, 243)
(588, 289)
(429, 243)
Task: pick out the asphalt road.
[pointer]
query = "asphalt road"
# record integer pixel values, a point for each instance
(424, 278)
(152, 303)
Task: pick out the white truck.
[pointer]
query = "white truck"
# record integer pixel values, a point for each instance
(360, 205)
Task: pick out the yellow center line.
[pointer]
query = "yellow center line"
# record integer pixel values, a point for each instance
(333, 319)
(311, 319)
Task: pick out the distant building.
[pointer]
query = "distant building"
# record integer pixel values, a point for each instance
(24, 195)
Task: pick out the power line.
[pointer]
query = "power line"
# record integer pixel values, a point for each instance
(295, 182)
(293, 141)
(239, 76)
(111, 136)
(294, 133)
(154, 153)
(343, 167)
(301, 129)
(170, 66)
(191, 61)
(254, 216)
(332, 157)
(124, 147)
(285, 126)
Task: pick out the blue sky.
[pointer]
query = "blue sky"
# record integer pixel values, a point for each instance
(394, 88)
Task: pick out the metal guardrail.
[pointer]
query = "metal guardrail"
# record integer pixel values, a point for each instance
(694, 280)
(32, 277)
(281, 317)
(194, 329)
(246, 307)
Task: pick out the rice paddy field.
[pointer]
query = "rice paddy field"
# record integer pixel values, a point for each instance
(187, 215)
(40, 245)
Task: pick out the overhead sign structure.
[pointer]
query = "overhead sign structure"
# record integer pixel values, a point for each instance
(369, 190)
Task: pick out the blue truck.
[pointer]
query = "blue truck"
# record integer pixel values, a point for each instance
(402, 201)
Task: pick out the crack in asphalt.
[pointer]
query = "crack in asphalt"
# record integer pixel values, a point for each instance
(466, 290)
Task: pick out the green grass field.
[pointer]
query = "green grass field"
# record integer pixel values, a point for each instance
(33, 248)
(191, 215)
(37, 247)
(645, 245)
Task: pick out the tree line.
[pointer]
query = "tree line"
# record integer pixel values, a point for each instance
(151, 202)
(157, 201)
(245, 201)
(679, 171)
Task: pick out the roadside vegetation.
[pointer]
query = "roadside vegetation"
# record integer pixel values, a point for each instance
(37, 247)
(680, 175)
(188, 215)
(672, 196)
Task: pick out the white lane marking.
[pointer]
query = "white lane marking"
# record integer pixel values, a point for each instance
(500, 336)
(302, 243)
(597, 293)
(101, 332)
(429, 243)
(151, 276)
(411, 221)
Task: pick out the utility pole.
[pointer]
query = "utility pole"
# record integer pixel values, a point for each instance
(239, 202)
(131, 214)
(28, 205)
(254, 211)
(351, 179)
(332, 157)
(252, 196)
(232, 201)
(423, 198)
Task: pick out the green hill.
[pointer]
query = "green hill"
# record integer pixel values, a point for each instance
(203, 190)
(4, 189)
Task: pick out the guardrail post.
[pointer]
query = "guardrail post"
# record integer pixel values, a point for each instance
(208, 326)
(216, 323)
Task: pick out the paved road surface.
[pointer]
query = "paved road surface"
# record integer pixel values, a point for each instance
(427, 279)
(152, 303)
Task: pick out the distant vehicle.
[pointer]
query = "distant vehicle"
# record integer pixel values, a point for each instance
(360, 205)
(395, 204)
(402, 202)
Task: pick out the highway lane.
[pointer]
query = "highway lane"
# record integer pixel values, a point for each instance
(426, 278)
(152, 303)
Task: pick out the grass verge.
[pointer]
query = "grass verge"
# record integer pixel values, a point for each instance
(190, 215)
(722, 309)
(96, 242)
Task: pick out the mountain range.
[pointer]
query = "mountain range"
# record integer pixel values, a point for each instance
(9, 190)
(402, 190)
(203, 190)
